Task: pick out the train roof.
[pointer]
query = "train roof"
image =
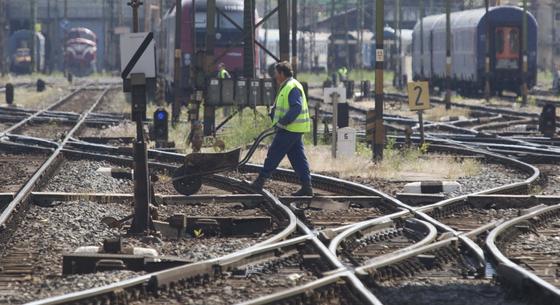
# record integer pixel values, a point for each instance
(473, 18)
(20, 35)
(83, 30)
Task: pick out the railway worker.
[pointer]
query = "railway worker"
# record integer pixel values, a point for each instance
(222, 72)
(290, 117)
(342, 73)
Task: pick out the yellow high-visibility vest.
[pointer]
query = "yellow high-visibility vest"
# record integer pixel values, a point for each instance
(302, 123)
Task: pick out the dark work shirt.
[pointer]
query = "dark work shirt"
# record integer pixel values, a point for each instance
(296, 101)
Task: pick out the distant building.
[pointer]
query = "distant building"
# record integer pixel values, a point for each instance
(106, 18)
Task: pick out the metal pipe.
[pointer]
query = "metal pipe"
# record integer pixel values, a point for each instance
(176, 108)
(422, 13)
(487, 58)
(249, 38)
(379, 136)
(210, 111)
(2, 37)
(398, 44)
(284, 29)
(524, 87)
(33, 7)
(294, 36)
(448, 55)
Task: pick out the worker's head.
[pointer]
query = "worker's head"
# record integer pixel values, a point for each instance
(283, 71)
(221, 66)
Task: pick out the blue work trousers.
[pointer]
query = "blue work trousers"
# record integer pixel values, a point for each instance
(291, 144)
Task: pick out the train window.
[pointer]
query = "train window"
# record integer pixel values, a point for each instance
(235, 16)
(200, 20)
(514, 40)
(499, 40)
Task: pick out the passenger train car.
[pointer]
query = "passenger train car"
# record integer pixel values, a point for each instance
(226, 35)
(470, 30)
(21, 57)
(341, 50)
(80, 51)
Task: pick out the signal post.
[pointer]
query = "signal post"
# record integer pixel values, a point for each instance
(138, 66)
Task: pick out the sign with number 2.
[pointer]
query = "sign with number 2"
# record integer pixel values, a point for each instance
(418, 96)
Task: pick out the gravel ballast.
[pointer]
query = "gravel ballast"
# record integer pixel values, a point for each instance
(48, 232)
(82, 177)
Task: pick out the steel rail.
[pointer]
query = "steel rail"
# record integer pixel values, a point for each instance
(61, 101)
(392, 259)
(308, 234)
(155, 280)
(312, 235)
(24, 193)
(509, 271)
(381, 223)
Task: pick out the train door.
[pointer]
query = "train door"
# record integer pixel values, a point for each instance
(507, 48)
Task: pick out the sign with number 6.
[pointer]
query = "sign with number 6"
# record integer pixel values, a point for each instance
(418, 96)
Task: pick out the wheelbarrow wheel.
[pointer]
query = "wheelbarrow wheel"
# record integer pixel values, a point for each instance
(188, 185)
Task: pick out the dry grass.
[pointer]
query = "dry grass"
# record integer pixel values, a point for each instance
(125, 129)
(29, 98)
(115, 102)
(31, 78)
(409, 164)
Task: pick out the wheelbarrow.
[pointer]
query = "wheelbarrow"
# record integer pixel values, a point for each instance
(187, 179)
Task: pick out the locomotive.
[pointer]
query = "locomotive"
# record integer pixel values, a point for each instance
(80, 51)
(227, 49)
(473, 31)
(21, 57)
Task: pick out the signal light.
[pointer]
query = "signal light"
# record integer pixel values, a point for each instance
(547, 121)
(161, 126)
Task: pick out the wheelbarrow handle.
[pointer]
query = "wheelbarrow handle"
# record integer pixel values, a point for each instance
(265, 134)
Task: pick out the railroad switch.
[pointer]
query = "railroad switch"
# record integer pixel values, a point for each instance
(427, 260)
(180, 225)
(112, 245)
(112, 256)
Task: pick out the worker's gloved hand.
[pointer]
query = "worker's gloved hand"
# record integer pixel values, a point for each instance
(278, 126)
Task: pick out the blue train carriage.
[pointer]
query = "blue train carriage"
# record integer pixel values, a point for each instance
(468, 50)
(19, 50)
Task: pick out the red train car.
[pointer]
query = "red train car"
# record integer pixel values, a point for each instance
(80, 52)
(227, 40)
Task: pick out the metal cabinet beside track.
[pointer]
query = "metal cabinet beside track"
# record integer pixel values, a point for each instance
(240, 92)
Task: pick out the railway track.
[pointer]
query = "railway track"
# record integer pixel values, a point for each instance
(352, 244)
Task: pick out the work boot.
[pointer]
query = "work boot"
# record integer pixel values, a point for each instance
(258, 183)
(305, 190)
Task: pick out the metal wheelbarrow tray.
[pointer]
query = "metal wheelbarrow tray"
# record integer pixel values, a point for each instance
(187, 179)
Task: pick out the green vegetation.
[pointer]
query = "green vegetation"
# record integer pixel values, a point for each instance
(544, 79)
(244, 128)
